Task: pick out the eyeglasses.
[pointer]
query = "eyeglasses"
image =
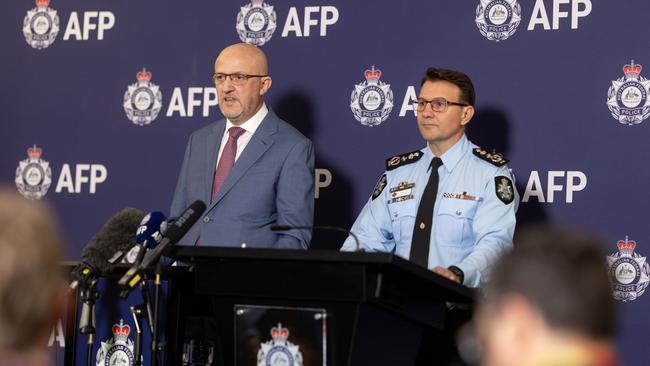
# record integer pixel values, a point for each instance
(437, 104)
(236, 79)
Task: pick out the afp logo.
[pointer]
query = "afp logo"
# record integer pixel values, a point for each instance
(119, 350)
(629, 271)
(498, 19)
(33, 175)
(371, 100)
(627, 97)
(41, 25)
(142, 100)
(256, 22)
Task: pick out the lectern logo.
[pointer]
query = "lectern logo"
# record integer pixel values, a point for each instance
(41, 25)
(142, 100)
(627, 97)
(256, 22)
(498, 19)
(33, 175)
(371, 100)
(629, 271)
(119, 350)
(279, 351)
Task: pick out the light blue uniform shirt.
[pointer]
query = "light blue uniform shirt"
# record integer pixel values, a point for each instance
(471, 226)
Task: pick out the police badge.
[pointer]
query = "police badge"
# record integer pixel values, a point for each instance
(33, 175)
(142, 100)
(256, 22)
(41, 25)
(629, 271)
(279, 351)
(371, 100)
(627, 97)
(498, 19)
(117, 351)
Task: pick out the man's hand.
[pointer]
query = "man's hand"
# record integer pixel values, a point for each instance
(444, 272)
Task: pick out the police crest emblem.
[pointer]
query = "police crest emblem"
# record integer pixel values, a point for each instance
(371, 100)
(119, 350)
(41, 25)
(33, 175)
(504, 189)
(497, 20)
(279, 351)
(256, 22)
(627, 97)
(629, 271)
(142, 100)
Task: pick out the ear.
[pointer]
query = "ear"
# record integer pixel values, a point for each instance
(266, 85)
(467, 115)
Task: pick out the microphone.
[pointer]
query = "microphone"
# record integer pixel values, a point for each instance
(149, 234)
(320, 227)
(174, 233)
(112, 240)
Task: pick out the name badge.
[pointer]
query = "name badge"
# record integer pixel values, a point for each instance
(462, 196)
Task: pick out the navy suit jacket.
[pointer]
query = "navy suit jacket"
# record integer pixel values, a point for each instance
(271, 183)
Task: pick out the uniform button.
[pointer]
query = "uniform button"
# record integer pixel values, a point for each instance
(206, 219)
(458, 213)
(422, 226)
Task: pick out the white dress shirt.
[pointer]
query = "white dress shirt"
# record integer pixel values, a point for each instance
(249, 126)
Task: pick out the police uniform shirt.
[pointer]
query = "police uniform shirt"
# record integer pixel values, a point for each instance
(474, 213)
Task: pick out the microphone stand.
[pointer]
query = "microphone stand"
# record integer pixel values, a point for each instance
(87, 319)
(137, 312)
(154, 338)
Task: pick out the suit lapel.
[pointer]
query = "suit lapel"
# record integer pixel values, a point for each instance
(213, 144)
(260, 142)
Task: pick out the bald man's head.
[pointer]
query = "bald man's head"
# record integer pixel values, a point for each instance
(241, 96)
(251, 55)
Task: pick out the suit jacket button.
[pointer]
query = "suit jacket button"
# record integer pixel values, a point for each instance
(206, 219)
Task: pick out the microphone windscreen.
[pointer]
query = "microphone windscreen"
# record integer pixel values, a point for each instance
(151, 229)
(116, 235)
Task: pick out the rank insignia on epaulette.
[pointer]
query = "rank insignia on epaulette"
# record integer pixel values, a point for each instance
(379, 187)
(493, 158)
(399, 160)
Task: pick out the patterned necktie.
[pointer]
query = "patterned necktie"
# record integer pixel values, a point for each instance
(424, 219)
(227, 160)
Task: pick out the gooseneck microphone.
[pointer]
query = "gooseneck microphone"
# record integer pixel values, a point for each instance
(174, 233)
(320, 227)
(113, 240)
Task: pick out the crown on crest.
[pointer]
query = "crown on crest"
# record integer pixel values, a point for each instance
(143, 75)
(372, 75)
(632, 70)
(42, 3)
(121, 331)
(34, 152)
(626, 246)
(279, 333)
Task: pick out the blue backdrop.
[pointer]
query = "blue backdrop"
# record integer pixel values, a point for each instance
(554, 95)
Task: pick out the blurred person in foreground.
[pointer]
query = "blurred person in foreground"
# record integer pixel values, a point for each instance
(31, 285)
(549, 303)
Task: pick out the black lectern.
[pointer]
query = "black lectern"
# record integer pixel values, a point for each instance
(378, 305)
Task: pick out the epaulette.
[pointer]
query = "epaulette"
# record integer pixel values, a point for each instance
(404, 159)
(493, 158)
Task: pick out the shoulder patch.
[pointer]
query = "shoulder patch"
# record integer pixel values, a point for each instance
(404, 159)
(379, 187)
(493, 158)
(504, 189)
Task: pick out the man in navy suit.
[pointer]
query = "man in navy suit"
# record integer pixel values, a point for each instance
(252, 169)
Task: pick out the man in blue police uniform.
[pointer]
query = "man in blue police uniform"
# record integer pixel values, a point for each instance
(449, 207)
